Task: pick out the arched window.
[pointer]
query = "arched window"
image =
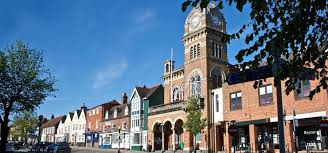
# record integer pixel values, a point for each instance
(198, 50)
(191, 52)
(195, 86)
(195, 51)
(216, 77)
(175, 94)
(167, 68)
(182, 91)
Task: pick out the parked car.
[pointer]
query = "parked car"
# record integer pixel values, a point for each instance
(59, 148)
(9, 148)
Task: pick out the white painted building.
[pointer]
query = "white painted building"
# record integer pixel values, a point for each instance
(64, 129)
(49, 129)
(217, 105)
(78, 127)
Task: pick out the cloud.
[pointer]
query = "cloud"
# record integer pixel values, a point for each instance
(145, 17)
(109, 73)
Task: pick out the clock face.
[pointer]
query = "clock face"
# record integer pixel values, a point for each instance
(195, 21)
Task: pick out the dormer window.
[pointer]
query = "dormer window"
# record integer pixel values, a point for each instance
(115, 113)
(126, 110)
(106, 115)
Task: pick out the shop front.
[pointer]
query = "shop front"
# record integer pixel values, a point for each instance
(309, 135)
(63, 137)
(92, 139)
(105, 141)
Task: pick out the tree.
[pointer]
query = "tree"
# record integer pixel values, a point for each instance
(291, 36)
(23, 123)
(24, 83)
(194, 123)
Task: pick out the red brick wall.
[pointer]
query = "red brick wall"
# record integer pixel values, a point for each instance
(94, 118)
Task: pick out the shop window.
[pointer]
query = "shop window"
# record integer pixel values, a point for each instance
(235, 101)
(266, 95)
(136, 138)
(302, 88)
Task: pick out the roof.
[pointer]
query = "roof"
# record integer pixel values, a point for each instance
(120, 108)
(78, 113)
(250, 75)
(145, 92)
(53, 122)
(71, 114)
(113, 102)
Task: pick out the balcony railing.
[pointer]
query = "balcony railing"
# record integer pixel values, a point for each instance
(170, 107)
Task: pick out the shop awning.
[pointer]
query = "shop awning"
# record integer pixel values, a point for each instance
(261, 121)
(301, 116)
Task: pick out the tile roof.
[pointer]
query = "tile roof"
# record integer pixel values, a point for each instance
(54, 122)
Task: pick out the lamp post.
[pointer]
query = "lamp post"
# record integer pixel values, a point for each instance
(39, 136)
(119, 139)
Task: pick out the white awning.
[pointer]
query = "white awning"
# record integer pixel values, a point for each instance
(301, 116)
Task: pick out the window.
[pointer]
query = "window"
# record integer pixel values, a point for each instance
(217, 50)
(266, 95)
(136, 138)
(89, 113)
(217, 103)
(198, 50)
(175, 94)
(93, 112)
(198, 138)
(195, 86)
(97, 124)
(126, 110)
(235, 101)
(97, 111)
(115, 113)
(216, 75)
(191, 52)
(106, 115)
(303, 88)
(182, 91)
(124, 125)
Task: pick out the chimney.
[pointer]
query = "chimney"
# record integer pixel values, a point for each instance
(83, 107)
(52, 116)
(124, 98)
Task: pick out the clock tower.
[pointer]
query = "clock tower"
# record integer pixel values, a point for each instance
(205, 59)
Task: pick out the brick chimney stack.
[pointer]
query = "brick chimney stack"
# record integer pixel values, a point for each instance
(124, 98)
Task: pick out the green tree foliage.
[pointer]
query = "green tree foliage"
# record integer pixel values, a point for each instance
(24, 83)
(300, 27)
(23, 123)
(194, 123)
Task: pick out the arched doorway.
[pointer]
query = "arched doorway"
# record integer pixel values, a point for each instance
(168, 135)
(179, 135)
(157, 130)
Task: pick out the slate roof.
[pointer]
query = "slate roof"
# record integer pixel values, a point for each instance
(71, 114)
(113, 102)
(145, 92)
(54, 122)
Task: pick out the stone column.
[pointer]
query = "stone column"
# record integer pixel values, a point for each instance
(227, 140)
(163, 137)
(153, 141)
(289, 144)
(253, 137)
(173, 139)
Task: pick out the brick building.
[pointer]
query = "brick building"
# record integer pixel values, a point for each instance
(255, 114)
(116, 126)
(94, 117)
(205, 68)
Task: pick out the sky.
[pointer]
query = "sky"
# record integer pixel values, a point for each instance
(97, 50)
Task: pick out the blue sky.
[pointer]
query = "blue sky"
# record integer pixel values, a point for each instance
(100, 49)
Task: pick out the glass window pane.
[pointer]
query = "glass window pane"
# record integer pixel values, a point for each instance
(269, 89)
(239, 94)
(262, 90)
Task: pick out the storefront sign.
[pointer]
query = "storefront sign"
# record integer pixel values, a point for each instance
(310, 132)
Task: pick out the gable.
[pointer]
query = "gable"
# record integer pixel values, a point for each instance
(134, 95)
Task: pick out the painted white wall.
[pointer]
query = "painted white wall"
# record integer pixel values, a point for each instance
(78, 126)
(218, 99)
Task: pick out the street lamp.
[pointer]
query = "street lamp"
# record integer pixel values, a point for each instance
(119, 139)
(39, 137)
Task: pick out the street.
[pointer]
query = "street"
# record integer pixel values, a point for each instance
(86, 150)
